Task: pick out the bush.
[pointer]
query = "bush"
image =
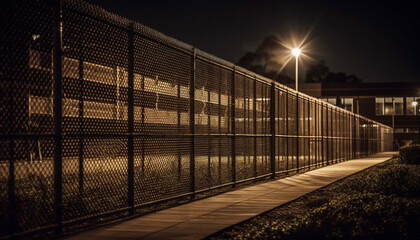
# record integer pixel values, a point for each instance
(410, 154)
(397, 179)
(357, 216)
(380, 203)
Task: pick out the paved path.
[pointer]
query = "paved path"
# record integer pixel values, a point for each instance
(199, 219)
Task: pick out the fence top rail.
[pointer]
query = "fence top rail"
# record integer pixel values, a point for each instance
(97, 12)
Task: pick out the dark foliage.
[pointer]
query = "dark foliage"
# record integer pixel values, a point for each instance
(410, 154)
(359, 216)
(320, 73)
(382, 202)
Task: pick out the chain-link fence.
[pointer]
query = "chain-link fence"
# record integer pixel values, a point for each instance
(103, 116)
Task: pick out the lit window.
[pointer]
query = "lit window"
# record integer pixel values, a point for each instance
(333, 101)
(399, 105)
(379, 106)
(399, 130)
(348, 104)
(412, 105)
(389, 108)
(39, 60)
(412, 130)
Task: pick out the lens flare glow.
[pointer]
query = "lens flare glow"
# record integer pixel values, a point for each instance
(295, 44)
(296, 52)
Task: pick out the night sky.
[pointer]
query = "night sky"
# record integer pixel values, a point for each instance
(378, 41)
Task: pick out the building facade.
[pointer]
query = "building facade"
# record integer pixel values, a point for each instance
(394, 104)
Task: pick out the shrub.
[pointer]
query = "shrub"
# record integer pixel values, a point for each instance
(380, 203)
(357, 216)
(397, 179)
(410, 154)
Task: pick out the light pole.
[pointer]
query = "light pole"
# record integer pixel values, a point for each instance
(414, 103)
(296, 52)
(393, 112)
(393, 124)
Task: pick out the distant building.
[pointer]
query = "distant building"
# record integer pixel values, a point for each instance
(393, 104)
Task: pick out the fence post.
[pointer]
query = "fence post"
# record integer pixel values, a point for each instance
(316, 132)
(273, 129)
(192, 122)
(349, 137)
(322, 134)
(219, 146)
(11, 183)
(297, 132)
(334, 136)
(179, 144)
(58, 108)
(11, 113)
(309, 133)
(287, 131)
(354, 141)
(130, 146)
(232, 102)
(254, 116)
(327, 143)
(81, 139)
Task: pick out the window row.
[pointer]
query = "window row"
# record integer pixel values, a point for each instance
(397, 105)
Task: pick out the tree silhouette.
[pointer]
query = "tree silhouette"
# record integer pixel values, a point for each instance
(320, 73)
(266, 60)
(317, 72)
(270, 56)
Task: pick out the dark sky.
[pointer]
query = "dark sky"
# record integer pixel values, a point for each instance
(378, 41)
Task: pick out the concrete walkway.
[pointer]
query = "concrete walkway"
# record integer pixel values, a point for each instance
(199, 219)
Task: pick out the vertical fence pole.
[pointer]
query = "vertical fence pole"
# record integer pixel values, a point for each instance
(143, 150)
(334, 135)
(297, 132)
(254, 116)
(315, 119)
(178, 143)
(58, 108)
(207, 104)
(347, 135)
(309, 133)
(337, 148)
(232, 103)
(81, 139)
(11, 182)
(192, 122)
(354, 147)
(327, 147)
(11, 189)
(287, 131)
(333, 139)
(349, 129)
(219, 146)
(322, 134)
(11, 113)
(273, 129)
(130, 147)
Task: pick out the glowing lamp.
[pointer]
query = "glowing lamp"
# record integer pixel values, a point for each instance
(296, 52)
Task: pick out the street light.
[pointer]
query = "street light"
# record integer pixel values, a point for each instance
(414, 103)
(296, 52)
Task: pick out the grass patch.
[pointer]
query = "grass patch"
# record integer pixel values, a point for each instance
(382, 202)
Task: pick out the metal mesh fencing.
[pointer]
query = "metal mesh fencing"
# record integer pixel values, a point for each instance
(103, 117)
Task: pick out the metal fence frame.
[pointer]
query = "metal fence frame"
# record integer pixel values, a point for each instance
(269, 129)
